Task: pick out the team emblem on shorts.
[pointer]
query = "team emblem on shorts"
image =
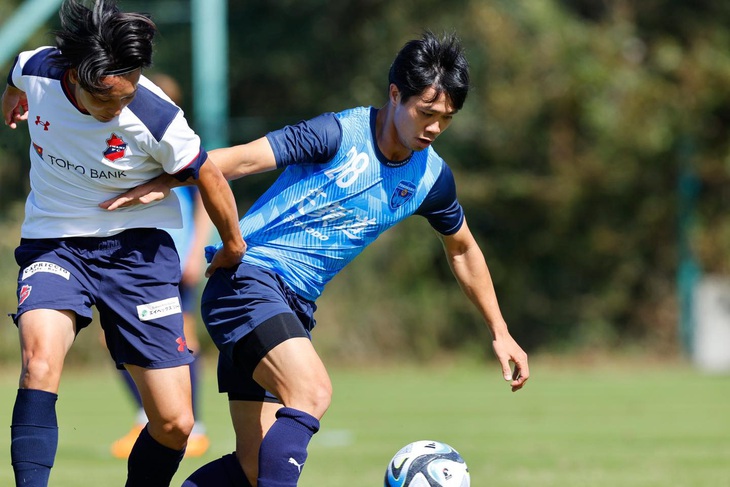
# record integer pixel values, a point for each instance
(403, 192)
(115, 148)
(24, 293)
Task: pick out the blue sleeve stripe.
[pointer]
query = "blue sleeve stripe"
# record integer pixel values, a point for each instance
(310, 141)
(42, 66)
(154, 112)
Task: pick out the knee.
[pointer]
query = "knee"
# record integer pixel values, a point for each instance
(181, 427)
(319, 397)
(173, 432)
(38, 372)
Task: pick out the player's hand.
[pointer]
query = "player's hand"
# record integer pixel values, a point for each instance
(509, 352)
(144, 194)
(225, 258)
(15, 106)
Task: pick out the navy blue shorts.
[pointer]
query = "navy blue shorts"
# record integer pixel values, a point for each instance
(247, 312)
(132, 278)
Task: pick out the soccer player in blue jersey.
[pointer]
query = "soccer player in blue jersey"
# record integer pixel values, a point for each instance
(347, 177)
(98, 127)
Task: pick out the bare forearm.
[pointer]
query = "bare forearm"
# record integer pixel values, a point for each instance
(470, 269)
(472, 273)
(242, 160)
(220, 205)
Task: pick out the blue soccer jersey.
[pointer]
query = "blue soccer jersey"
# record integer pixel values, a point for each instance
(336, 195)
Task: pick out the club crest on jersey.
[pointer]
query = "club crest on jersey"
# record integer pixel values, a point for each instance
(402, 193)
(115, 149)
(24, 293)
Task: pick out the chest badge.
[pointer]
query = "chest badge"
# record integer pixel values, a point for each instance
(402, 193)
(115, 149)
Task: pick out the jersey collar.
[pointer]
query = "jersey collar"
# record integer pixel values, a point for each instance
(68, 90)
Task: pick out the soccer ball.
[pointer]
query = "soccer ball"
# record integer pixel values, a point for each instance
(427, 464)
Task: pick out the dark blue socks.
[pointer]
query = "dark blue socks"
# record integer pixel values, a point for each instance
(284, 448)
(34, 437)
(224, 472)
(281, 457)
(151, 464)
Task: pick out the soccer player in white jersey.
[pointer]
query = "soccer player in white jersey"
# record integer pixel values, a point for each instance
(190, 241)
(347, 177)
(98, 127)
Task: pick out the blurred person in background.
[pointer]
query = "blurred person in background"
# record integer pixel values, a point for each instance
(347, 177)
(98, 127)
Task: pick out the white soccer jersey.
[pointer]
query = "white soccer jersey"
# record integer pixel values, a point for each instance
(77, 162)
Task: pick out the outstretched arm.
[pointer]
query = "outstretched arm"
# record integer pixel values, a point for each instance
(233, 162)
(241, 160)
(470, 269)
(15, 106)
(315, 140)
(217, 199)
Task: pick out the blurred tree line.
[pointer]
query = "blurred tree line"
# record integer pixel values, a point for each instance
(567, 155)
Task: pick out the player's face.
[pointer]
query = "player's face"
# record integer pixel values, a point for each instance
(106, 107)
(422, 118)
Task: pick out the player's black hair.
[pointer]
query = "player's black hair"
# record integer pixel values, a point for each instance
(430, 61)
(102, 41)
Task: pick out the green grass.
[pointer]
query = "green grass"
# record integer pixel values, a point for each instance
(572, 426)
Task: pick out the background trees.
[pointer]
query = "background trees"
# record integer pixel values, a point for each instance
(583, 119)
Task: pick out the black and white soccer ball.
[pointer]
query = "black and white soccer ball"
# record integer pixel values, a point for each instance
(427, 464)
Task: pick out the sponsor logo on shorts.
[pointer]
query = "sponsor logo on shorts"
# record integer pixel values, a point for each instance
(181, 344)
(24, 293)
(45, 267)
(159, 309)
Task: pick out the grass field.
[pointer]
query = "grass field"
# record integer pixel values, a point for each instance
(572, 426)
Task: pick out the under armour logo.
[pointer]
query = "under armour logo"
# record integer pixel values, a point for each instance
(181, 344)
(45, 125)
(298, 465)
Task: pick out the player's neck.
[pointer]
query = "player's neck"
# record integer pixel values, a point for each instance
(386, 136)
